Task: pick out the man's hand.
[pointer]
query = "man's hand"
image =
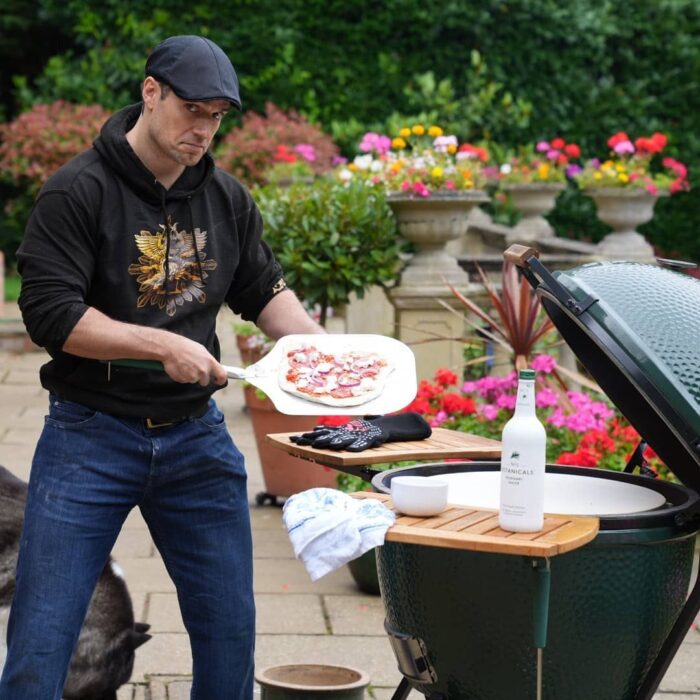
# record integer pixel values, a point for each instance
(189, 362)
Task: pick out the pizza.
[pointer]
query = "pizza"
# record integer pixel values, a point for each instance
(347, 377)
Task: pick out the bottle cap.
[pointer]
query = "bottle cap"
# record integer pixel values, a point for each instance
(526, 374)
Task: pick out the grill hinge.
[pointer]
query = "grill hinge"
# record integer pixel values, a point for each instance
(412, 656)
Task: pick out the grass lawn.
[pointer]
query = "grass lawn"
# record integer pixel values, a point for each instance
(12, 285)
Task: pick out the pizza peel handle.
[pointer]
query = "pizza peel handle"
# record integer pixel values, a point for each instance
(399, 389)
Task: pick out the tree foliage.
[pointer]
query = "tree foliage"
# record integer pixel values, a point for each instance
(513, 71)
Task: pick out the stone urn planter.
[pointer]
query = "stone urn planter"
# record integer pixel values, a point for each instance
(430, 223)
(624, 210)
(533, 201)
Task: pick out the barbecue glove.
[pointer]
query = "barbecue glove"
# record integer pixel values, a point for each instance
(361, 434)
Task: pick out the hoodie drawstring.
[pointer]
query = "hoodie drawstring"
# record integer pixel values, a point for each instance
(166, 268)
(194, 241)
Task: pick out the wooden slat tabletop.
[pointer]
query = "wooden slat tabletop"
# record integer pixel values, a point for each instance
(442, 444)
(459, 527)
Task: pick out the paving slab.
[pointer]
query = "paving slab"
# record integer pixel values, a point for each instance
(133, 543)
(290, 576)
(146, 575)
(272, 543)
(289, 614)
(683, 675)
(387, 693)
(22, 435)
(166, 653)
(266, 518)
(355, 614)
(164, 614)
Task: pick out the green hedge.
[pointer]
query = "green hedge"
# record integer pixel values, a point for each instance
(582, 70)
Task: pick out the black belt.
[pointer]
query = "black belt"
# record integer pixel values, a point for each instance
(152, 422)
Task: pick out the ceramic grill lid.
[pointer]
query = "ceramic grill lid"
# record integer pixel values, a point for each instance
(636, 328)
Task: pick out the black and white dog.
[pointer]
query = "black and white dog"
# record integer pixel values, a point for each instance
(104, 657)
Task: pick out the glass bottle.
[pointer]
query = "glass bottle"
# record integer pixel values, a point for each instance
(523, 447)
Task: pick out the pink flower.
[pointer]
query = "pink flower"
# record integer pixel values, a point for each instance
(420, 189)
(546, 397)
(306, 151)
(542, 147)
(489, 411)
(405, 186)
(449, 185)
(440, 417)
(623, 147)
(375, 142)
(506, 401)
(543, 363)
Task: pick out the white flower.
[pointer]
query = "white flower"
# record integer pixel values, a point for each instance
(376, 166)
(442, 142)
(345, 175)
(506, 168)
(363, 162)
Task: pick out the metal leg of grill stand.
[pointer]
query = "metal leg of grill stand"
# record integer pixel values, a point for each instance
(402, 691)
(670, 646)
(540, 610)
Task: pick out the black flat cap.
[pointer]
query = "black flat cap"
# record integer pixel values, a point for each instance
(195, 68)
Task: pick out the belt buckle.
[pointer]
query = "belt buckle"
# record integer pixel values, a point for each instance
(150, 424)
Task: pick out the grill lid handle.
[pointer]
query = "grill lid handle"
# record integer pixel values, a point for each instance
(527, 260)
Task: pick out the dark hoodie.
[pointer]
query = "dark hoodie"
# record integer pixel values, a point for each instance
(97, 238)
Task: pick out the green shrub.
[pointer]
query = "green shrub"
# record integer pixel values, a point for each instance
(331, 239)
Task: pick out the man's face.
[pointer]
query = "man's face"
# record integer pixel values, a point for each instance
(182, 130)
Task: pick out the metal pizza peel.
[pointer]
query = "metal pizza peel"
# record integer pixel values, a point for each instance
(399, 388)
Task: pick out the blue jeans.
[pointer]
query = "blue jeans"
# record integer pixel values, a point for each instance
(90, 469)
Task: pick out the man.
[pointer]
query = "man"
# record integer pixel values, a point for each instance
(130, 251)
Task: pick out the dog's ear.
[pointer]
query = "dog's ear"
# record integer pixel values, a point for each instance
(138, 638)
(141, 626)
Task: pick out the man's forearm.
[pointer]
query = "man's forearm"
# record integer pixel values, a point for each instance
(283, 315)
(99, 337)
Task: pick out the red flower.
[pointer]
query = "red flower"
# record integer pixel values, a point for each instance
(481, 153)
(426, 390)
(583, 457)
(572, 150)
(419, 405)
(456, 404)
(597, 440)
(445, 377)
(676, 166)
(659, 142)
(558, 143)
(332, 421)
(619, 137)
(284, 155)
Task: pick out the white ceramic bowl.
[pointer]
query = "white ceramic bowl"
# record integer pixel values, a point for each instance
(418, 495)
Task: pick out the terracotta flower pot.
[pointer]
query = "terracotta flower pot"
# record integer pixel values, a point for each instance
(305, 681)
(284, 475)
